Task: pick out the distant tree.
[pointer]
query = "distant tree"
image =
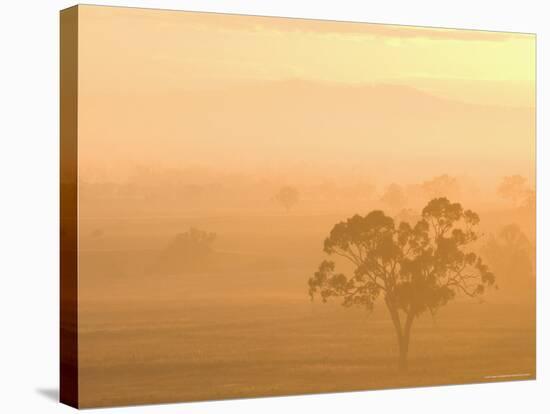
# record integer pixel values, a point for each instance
(530, 200)
(511, 255)
(288, 197)
(97, 233)
(515, 189)
(187, 251)
(394, 196)
(415, 268)
(407, 214)
(441, 186)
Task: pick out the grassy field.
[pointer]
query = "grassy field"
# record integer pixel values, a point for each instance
(191, 351)
(244, 325)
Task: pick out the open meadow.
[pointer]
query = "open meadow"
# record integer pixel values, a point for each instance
(243, 325)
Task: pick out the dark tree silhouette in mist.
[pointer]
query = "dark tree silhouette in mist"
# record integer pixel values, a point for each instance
(414, 268)
(188, 251)
(288, 197)
(512, 256)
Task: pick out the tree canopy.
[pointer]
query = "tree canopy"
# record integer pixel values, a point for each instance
(512, 255)
(415, 268)
(516, 189)
(190, 250)
(394, 196)
(287, 196)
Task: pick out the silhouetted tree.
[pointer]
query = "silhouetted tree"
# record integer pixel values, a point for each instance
(97, 233)
(515, 189)
(529, 202)
(188, 251)
(394, 196)
(414, 268)
(441, 186)
(511, 255)
(288, 197)
(407, 214)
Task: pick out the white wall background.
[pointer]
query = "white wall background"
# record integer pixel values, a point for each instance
(29, 205)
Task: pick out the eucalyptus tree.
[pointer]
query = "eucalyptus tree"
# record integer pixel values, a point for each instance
(412, 268)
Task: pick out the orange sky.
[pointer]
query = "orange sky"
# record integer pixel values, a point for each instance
(190, 48)
(203, 84)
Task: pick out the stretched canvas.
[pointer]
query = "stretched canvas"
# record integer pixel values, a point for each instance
(263, 206)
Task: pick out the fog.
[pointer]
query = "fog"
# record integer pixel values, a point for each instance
(216, 159)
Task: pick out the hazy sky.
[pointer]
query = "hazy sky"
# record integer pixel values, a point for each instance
(202, 86)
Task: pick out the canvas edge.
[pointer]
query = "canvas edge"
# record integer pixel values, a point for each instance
(68, 170)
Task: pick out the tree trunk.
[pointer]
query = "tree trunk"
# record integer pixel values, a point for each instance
(403, 353)
(404, 343)
(403, 334)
